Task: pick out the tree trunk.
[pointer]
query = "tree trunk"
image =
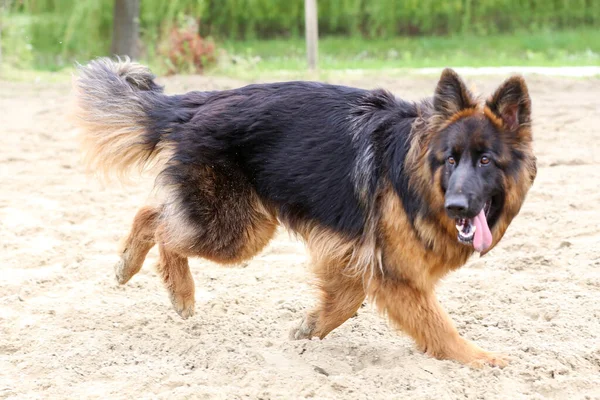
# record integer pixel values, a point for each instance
(1, 13)
(3, 6)
(126, 28)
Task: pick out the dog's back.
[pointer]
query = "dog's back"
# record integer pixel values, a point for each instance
(308, 149)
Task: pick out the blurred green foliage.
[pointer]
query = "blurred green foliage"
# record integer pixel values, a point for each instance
(50, 34)
(251, 19)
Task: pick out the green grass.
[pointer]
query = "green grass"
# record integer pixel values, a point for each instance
(567, 48)
(10, 73)
(279, 58)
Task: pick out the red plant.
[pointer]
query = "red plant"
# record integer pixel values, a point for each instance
(186, 51)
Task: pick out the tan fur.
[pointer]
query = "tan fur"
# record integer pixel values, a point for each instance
(235, 226)
(403, 291)
(417, 312)
(516, 191)
(358, 258)
(496, 120)
(341, 292)
(172, 267)
(452, 100)
(110, 128)
(137, 244)
(414, 262)
(467, 112)
(420, 256)
(176, 276)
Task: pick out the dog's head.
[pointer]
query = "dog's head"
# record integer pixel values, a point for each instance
(481, 157)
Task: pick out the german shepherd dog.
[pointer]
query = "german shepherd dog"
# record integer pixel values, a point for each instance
(388, 195)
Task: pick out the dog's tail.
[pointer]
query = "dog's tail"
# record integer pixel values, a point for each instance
(116, 106)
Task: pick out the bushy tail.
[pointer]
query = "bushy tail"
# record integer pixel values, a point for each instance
(112, 102)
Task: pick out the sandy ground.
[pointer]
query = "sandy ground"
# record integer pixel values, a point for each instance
(67, 330)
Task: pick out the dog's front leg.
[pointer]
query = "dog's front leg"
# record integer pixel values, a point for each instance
(418, 313)
(340, 297)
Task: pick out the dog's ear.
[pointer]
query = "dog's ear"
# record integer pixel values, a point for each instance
(451, 95)
(512, 104)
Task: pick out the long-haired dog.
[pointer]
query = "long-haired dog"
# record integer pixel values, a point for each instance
(389, 195)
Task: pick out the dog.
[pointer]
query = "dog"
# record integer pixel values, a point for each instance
(388, 195)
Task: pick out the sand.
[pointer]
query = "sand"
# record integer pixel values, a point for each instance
(67, 330)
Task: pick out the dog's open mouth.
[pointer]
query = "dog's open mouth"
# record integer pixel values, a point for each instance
(475, 230)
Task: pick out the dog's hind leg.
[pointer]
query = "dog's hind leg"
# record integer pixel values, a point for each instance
(175, 272)
(137, 244)
(211, 213)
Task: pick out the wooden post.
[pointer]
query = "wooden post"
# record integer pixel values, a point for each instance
(126, 28)
(312, 32)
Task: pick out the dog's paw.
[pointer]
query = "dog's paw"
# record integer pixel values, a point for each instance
(121, 272)
(467, 353)
(484, 358)
(183, 304)
(303, 329)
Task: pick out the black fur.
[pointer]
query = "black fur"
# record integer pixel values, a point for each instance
(301, 145)
(466, 142)
(320, 152)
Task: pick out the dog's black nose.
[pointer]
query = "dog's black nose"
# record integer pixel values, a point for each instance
(456, 205)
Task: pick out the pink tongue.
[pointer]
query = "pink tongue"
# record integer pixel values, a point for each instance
(482, 238)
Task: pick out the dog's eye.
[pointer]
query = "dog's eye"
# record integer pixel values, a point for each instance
(451, 160)
(485, 160)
